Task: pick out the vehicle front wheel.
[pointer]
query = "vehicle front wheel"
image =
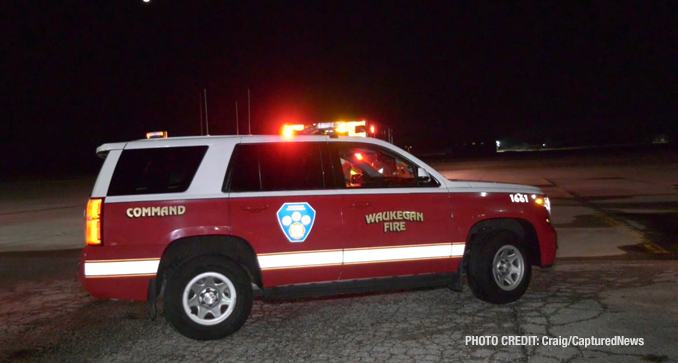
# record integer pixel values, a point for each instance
(208, 298)
(498, 270)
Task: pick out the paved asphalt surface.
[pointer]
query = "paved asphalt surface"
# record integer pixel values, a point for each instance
(616, 277)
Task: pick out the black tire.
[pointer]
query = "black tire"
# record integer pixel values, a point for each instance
(216, 291)
(498, 269)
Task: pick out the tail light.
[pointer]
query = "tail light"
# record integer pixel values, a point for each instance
(93, 223)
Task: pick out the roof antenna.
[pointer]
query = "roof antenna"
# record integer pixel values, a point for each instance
(200, 103)
(249, 124)
(207, 121)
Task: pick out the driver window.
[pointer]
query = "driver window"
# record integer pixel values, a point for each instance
(366, 166)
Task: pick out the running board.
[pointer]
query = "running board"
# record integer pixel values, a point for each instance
(452, 280)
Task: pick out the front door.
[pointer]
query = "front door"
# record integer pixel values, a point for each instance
(394, 223)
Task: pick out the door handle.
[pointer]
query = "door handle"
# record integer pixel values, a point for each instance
(361, 205)
(253, 208)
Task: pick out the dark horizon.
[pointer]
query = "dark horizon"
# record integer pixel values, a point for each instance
(78, 75)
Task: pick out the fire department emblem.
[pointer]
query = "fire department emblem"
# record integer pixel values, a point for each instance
(296, 220)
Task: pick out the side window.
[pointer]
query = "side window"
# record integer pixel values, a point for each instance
(155, 171)
(244, 169)
(276, 167)
(368, 166)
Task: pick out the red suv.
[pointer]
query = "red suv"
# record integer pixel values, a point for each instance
(203, 222)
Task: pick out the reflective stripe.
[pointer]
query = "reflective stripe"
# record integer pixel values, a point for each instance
(397, 253)
(458, 249)
(298, 259)
(323, 258)
(121, 267)
(360, 255)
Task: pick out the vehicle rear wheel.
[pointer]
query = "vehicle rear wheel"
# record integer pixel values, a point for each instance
(498, 270)
(208, 298)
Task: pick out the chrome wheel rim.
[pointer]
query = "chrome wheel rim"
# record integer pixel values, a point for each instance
(209, 298)
(508, 267)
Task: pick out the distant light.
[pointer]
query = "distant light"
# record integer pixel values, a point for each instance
(147, 1)
(498, 143)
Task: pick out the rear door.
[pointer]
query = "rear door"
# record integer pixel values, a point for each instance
(282, 201)
(395, 222)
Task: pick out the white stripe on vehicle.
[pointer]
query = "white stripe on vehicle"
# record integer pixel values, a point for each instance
(360, 255)
(397, 253)
(303, 259)
(121, 268)
(136, 267)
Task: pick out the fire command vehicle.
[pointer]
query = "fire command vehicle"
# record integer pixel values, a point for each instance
(205, 222)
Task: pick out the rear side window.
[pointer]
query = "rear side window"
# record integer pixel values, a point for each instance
(277, 166)
(156, 171)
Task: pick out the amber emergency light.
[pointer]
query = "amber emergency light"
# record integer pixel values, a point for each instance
(93, 223)
(288, 131)
(156, 135)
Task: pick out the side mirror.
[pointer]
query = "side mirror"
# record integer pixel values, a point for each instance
(423, 177)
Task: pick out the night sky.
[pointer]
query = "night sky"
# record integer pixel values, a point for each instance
(79, 74)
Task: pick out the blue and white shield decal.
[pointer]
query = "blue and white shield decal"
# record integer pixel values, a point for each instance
(296, 220)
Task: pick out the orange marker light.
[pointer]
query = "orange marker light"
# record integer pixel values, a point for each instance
(93, 223)
(156, 134)
(539, 201)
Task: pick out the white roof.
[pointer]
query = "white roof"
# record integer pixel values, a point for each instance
(227, 139)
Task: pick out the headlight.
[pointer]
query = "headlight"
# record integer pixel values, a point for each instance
(543, 201)
(547, 205)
